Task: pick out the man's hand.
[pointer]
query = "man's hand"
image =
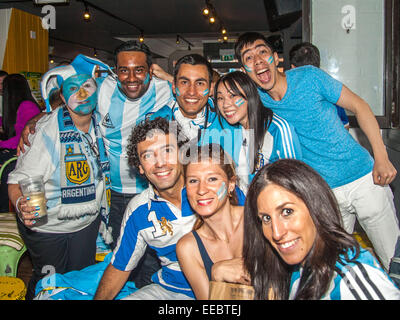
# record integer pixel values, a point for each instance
(383, 172)
(160, 73)
(30, 128)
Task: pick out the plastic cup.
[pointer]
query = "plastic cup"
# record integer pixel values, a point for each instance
(33, 187)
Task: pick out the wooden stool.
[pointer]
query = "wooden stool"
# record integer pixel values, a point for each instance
(12, 246)
(12, 288)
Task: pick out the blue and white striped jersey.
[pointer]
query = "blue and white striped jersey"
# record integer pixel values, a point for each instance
(363, 279)
(119, 115)
(280, 142)
(152, 221)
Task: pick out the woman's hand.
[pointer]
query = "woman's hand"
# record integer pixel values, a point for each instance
(232, 270)
(27, 213)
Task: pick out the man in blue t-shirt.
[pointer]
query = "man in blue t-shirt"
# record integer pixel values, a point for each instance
(306, 97)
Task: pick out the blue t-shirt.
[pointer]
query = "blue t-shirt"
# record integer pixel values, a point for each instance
(309, 105)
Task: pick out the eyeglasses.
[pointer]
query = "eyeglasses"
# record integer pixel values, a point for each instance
(94, 151)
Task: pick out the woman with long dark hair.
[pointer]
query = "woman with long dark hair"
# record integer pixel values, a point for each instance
(295, 245)
(18, 106)
(265, 137)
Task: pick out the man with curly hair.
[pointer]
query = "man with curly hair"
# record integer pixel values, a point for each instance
(156, 218)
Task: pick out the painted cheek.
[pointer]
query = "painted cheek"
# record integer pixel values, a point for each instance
(146, 79)
(221, 191)
(239, 102)
(248, 69)
(270, 60)
(178, 93)
(206, 92)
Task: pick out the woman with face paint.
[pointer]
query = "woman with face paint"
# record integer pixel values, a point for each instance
(265, 137)
(67, 150)
(213, 251)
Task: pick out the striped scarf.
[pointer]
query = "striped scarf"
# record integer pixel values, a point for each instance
(77, 180)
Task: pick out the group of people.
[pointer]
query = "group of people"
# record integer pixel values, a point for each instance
(259, 184)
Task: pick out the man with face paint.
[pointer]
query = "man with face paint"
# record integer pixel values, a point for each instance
(125, 98)
(153, 218)
(193, 107)
(76, 176)
(306, 97)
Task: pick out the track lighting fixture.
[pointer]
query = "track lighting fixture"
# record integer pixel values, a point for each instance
(86, 14)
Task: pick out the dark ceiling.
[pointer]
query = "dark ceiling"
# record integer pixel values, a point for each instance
(160, 20)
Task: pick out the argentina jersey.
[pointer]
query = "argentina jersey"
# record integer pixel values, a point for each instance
(118, 117)
(280, 142)
(152, 221)
(362, 279)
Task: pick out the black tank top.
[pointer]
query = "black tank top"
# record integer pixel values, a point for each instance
(208, 263)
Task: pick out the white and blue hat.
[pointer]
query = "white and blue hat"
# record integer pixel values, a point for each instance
(53, 78)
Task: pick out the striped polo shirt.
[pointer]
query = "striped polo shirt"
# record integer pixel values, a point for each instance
(150, 220)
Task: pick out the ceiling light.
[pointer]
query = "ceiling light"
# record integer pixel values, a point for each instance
(206, 11)
(223, 30)
(141, 38)
(225, 38)
(212, 19)
(86, 14)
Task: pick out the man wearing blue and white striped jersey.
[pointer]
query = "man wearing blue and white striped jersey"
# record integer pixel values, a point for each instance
(124, 100)
(157, 218)
(192, 109)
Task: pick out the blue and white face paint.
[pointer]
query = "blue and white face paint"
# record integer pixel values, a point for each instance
(178, 93)
(206, 92)
(270, 60)
(248, 69)
(80, 93)
(146, 79)
(239, 102)
(221, 192)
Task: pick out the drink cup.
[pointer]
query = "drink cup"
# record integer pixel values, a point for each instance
(33, 187)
